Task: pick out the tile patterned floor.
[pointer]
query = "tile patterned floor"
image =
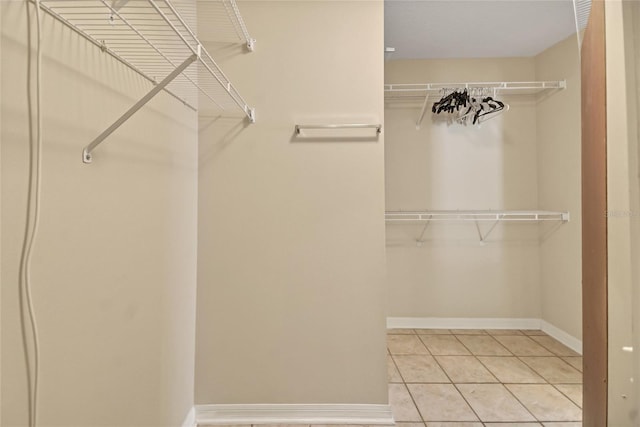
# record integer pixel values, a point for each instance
(482, 378)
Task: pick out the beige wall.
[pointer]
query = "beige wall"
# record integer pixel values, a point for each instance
(458, 167)
(115, 260)
(558, 131)
(622, 199)
(634, 171)
(291, 300)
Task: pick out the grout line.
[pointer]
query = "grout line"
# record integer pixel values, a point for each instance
(566, 395)
(415, 405)
(457, 389)
(397, 369)
(468, 404)
(497, 342)
(404, 383)
(520, 402)
(554, 352)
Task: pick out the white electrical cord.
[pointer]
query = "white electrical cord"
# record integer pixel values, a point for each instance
(31, 230)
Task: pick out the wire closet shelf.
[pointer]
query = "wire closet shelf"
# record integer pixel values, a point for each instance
(481, 215)
(424, 218)
(152, 38)
(407, 91)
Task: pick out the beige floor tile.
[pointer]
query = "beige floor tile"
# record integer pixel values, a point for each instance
(465, 369)
(343, 425)
(433, 332)
(531, 332)
(576, 362)
(393, 376)
(504, 332)
(454, 424)
(562, 424)
(523, 346)
(554, 370)
(484, 345)
(287, 425)
(400, 331)
(402, 404)
(493, 402)
(469, 331)
(572, 391)
(441, 402)
(554, 346)
(409, 424)
(444, 345)
(513, 425)
(545, 402)
(420, 369)
(405, 344)
(510, 370)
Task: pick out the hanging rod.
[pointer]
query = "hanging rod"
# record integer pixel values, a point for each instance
(377, 127)
(429, 91)
(152, 38)
(481, 215)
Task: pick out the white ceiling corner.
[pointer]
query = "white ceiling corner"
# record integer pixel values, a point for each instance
(423, 29)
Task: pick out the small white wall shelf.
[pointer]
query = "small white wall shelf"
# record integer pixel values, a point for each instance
(152, 38)
(423, 92)
(426, 217)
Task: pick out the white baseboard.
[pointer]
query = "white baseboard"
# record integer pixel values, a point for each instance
(485, 323)
(294, 414)
(190, 419)
(461, 323)
(565, 338)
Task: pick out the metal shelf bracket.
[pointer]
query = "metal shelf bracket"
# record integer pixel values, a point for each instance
(86, 152)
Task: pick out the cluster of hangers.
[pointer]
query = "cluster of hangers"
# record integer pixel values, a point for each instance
(469, 106)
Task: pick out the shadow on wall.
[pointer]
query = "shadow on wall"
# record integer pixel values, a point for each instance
(217, 133)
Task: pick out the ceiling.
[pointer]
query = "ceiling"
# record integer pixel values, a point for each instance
(422, 29)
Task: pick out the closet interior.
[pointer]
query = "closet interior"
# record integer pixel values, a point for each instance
(482, 180)
(483, 223)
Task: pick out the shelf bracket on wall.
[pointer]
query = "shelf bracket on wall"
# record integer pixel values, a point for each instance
(86, 153)
(423, 111)
(236, 18)
(419, 240)
(484, 237)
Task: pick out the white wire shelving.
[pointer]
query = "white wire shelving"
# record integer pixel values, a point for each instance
(425, 92)
(496, 216)
(152, 38)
